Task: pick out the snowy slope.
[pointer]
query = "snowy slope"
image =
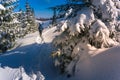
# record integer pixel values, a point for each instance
(18, 74)
(32, 61)
(24, 56)
(31, 56)
(104, 66)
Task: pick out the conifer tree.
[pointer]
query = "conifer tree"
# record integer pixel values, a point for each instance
(87, 25)
(54, 16)
(14, 25)
(8, 24)
(30, 17)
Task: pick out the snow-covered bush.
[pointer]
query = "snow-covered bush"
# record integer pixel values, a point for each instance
(94, 25)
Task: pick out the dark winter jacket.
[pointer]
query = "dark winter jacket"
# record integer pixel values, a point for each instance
(40, 28)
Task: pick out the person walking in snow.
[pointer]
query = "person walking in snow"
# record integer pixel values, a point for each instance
(40, 29)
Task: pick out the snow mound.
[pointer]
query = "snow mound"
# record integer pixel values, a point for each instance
(18, 74)
(2, 7)
(38, 40)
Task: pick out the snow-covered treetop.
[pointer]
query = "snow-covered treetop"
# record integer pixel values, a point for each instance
(2, 7)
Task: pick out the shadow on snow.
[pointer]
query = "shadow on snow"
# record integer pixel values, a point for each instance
(33, 58)
(104, 66)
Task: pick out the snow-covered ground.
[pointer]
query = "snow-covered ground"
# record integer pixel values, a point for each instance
(32, 56)
(104, 66)
(32, 61)
(8, 73)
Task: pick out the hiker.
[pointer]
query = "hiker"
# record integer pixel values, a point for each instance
(40, 29)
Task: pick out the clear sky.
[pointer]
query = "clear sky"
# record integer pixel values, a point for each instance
(41, 6)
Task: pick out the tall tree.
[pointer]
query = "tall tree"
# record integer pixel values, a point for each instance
(8, 24)
(30, 17)
(54, 16)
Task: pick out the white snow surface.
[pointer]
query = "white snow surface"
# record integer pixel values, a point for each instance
(2, 7)
(23, 63)
(32, 61)
(8, 73)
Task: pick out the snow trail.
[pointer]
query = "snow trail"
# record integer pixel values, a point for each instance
(30, 55)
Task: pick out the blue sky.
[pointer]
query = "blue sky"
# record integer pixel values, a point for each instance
(41, 6)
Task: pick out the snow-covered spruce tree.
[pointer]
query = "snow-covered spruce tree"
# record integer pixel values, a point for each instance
(8, 25)
(30, 18)
(54, 16)
(23, 26)
(87, 25)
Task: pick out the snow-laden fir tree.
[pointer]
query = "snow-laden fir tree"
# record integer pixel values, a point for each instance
(8, 24)
(14, 25)
(23, 26)
(54, 16)
(87, 25)
(29, 18)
